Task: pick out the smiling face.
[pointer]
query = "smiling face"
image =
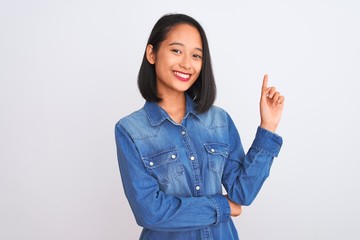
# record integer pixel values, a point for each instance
(178, 60)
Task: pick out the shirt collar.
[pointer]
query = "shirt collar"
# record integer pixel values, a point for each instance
(157, 115)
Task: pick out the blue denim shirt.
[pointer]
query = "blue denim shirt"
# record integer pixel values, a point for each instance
(173, 174)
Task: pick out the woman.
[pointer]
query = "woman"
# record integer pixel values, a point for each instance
(177, 152)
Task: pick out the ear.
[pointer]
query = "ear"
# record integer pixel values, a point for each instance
(150, 55)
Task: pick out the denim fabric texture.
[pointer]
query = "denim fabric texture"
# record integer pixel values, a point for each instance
(173, 174)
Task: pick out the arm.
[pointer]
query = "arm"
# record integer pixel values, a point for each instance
(151, 207)
(245, 174)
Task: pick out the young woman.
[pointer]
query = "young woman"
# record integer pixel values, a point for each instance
(177, 152)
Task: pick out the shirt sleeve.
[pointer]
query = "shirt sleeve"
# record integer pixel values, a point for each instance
(244, 174)
(152, 208)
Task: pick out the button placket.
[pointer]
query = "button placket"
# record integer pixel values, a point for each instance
(191, 153)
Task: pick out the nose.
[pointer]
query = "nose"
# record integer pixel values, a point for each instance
(185, 62)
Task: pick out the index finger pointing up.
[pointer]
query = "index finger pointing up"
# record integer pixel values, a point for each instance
(265, 83)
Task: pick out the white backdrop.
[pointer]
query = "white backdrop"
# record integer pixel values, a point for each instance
(68, 72)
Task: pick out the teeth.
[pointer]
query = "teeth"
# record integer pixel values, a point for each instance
(182, 75)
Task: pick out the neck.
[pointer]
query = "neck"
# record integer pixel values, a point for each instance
(175, 106)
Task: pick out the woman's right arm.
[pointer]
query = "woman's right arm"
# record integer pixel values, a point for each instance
(152, 208)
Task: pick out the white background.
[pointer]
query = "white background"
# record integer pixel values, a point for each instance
(68, 73)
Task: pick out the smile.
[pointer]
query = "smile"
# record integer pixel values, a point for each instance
(182, 76)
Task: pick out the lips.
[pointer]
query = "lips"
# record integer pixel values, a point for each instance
(182, 76)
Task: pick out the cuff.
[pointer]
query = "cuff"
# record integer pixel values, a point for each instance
(222, 208)
(267, 141)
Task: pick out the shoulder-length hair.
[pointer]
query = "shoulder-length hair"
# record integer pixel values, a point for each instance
(203, 91)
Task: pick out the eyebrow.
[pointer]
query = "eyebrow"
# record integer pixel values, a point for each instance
(181, 44)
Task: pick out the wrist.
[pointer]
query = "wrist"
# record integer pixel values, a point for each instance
(269, 127)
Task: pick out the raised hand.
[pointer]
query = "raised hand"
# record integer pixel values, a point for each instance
(271, 106)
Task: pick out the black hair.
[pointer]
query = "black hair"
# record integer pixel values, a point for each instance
(203, 91)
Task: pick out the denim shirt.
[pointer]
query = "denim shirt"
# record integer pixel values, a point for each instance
(173, 174)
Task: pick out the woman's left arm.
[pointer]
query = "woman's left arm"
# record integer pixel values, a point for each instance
(244, 174)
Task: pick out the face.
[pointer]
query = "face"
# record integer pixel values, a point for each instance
(178, 60)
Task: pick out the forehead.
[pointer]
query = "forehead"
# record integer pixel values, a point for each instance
(186, 34)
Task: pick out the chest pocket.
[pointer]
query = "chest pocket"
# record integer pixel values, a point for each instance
(217, 153)
(164, 165)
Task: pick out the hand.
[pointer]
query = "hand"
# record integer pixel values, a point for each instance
(235, 209)
(271, 106)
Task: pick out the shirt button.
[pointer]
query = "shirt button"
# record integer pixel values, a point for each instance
(197, 188)
(151, 163)
(173, 156)
(183, 132)
(192, 158)
(212, 150)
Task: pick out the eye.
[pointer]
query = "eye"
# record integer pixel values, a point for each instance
(197, 56)
(176, 51)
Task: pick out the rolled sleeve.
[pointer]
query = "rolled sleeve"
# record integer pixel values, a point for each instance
(267, 142)
(222, 208)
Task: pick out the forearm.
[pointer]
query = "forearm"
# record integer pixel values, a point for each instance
(244, 178)
(168, 213)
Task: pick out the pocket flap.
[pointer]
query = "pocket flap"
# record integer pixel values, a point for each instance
(217, 149)
(159, 158)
